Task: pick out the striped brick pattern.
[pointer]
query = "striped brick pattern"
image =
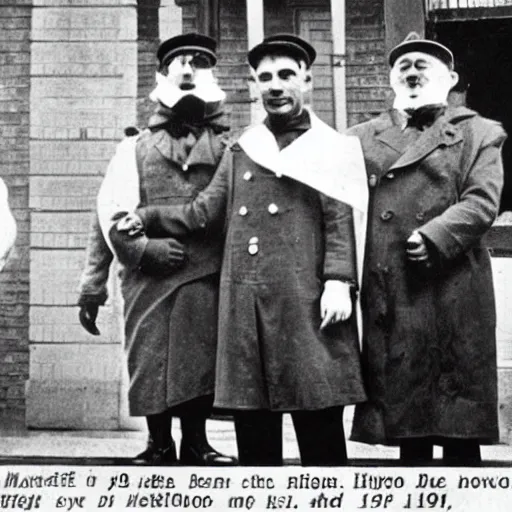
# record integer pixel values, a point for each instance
(15, 19)
(85, 64)
(367, 70)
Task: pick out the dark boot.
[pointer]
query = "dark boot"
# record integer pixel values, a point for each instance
(321, 437)
(259, 438)
(160, 449)
(416, 451)
(461, 452)
(153, 456)
(195, 450)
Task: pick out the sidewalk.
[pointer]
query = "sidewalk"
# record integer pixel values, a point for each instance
(19, 445)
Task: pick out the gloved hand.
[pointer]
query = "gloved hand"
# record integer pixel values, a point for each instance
(87, 316)
(162, 257)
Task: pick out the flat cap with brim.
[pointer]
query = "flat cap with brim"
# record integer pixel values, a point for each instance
(413, 43)
(282, 44)
(186, 43)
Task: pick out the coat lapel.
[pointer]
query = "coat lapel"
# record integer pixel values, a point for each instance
(206, 150)
(388, 129)
(443, 133)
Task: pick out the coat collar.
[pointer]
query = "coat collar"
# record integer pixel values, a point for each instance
(444, 132)
(206, 150)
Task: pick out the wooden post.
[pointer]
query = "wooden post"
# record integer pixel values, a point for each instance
(339, 63)
(255, 34)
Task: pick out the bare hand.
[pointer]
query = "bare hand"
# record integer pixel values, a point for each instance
(131, 224)
(416, 247)
(335, 304)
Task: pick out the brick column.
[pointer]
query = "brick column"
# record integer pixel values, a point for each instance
(14, 169)
(84, 67)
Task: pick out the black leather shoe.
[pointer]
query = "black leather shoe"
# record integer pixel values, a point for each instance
(205, 456)
(153, 456)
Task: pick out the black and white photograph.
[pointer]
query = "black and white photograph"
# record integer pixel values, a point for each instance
(255, 254)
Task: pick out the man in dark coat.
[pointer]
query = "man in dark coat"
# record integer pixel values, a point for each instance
(295, 195)
(170, 288)
(429, 351)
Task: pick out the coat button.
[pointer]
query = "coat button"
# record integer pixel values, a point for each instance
(253, 249)
(372, 180)
(387, 215)
(273, 208)
(420, 216)
(253, 240)
(390, 175)
(243, 211)
(248, 176)
(185, 167)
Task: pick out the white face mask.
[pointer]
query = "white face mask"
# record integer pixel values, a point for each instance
(419, 79)
(183, 80)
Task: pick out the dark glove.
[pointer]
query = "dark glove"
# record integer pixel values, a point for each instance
(162, 257)
(87, 316)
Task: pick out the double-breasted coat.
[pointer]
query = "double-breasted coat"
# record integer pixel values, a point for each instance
(284, 239)
(429, 351)
(171, 320)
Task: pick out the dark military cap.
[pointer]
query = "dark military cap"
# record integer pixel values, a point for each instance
(414, 43)
(282, 44)
(186, 43)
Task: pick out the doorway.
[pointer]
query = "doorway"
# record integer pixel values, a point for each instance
(483, 57)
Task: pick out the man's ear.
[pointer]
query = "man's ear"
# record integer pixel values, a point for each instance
(455, 77)
(252, 76)
(307, 76)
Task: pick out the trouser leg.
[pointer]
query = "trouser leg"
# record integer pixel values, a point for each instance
(159, 426)
(160, 448)
(195, 450)
(321, 437)
(416, 451)
(193, 416)
(461, 452)
(259, 438)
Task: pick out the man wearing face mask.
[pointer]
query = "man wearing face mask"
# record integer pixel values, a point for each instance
(292, 192)
(429, 350)
(170, 287)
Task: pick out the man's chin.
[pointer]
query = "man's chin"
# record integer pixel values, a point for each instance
(410, 102)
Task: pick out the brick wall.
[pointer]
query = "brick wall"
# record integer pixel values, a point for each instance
(148, 41)
(233, 70)
(14, 169)
(367, 70)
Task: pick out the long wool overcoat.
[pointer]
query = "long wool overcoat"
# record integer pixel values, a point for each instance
(284, 239)
(171, 321)
(429, 351)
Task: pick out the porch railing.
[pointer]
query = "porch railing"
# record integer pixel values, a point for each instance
(434, 5)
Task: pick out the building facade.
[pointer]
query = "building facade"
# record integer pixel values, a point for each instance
(75, 73)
